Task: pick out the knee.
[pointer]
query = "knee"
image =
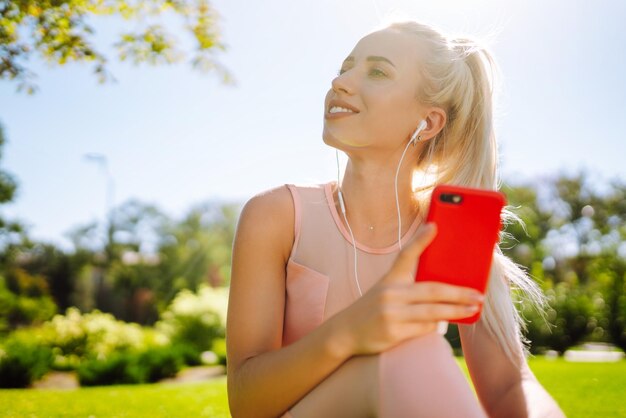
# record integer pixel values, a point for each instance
(419, 376)
(433, 345)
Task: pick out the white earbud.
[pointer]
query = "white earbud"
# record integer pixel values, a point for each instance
(419, 129)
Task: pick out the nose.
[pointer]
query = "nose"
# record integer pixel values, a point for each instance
(341, 83)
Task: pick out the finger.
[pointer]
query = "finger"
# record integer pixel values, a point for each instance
(411, 329)
(433, 291)
(406, 261)
(435, 312)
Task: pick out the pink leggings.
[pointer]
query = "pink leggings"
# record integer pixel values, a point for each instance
(417, 378)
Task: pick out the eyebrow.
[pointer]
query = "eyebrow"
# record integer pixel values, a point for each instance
(371, 58)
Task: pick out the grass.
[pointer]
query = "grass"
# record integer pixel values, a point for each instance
(582, 389)
(206, 399)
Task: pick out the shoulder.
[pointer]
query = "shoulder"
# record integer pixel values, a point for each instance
(277, 203)
(269, 204)
(268, 216)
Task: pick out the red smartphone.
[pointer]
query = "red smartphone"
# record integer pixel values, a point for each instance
(468, 223)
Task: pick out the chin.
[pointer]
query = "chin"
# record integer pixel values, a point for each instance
(340, 142)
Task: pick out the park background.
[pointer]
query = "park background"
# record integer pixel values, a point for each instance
(120, 200)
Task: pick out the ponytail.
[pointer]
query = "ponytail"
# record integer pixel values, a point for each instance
(459, 76)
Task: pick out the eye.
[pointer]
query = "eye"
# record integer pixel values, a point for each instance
(377, 72)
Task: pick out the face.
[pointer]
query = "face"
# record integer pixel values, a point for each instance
(378, 82)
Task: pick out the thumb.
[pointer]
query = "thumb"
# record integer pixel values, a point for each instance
(405, 264)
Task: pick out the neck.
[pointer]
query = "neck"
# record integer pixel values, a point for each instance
(369, 193)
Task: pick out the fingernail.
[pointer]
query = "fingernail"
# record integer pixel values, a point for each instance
(471, 308)
(477, 297)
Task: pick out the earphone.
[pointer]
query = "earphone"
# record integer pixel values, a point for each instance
(414, 139)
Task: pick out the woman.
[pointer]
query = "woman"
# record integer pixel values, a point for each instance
(319, 329)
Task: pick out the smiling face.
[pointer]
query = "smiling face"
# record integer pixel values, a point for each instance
(372, 102)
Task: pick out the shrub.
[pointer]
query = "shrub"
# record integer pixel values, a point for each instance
(23, 359)
(29, 308)
(75, 337)
(570, 318)
(189, 355)
(158, 363)
(127, 367)
(196, 318)
(118, 368)
(219, 348)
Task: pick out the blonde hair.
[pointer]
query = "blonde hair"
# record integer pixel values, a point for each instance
(458, 75)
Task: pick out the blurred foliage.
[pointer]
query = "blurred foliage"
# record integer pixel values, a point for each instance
(129, 367)
(23, 306)
(104, 350)
(573, 243)
(59, 31)
(10, 230)
(23, 359)
(196, 319)
(75, 337)
(24, 297)
(153, 258)
(219, 348)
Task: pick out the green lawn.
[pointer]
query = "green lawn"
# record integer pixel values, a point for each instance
(582, 390)
(156, 400)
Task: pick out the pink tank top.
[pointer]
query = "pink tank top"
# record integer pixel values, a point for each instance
(320, 272)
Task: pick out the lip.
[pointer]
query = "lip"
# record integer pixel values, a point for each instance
(340, 103)
(338, 115)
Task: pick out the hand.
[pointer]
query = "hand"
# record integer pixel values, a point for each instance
(397, 308)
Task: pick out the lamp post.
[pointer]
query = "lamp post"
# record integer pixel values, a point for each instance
(102, 161)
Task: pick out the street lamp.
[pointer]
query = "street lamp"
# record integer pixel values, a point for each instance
(102, 161)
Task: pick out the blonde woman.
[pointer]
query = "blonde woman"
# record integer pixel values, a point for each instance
(324, 318)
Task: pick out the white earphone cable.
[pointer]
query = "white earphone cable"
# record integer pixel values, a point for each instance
(442, 326)
(343, 210)
(397, 201)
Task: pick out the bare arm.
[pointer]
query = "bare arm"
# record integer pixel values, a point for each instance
(263, 379)
(504, 389)
(532, 400)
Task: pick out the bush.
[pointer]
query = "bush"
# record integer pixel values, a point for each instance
(196, 319)
(26, 309)
(75, 337)
(118, 368)
(128, 367)
(23, 359)
(571, 317)
(158, 363)
(219, 348)
(189, 355)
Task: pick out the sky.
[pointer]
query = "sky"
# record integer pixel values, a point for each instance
(175, 137)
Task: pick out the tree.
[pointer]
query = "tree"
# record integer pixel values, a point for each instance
(59, 32)
(24, 297)
(573, 245)
(198, 248)
(8, 187)
(155, 257)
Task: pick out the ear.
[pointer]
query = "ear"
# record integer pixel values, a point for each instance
(435, 119)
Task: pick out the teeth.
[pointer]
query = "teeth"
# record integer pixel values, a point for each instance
(337, 109)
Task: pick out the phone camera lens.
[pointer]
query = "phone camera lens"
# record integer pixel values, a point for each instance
(451, 198)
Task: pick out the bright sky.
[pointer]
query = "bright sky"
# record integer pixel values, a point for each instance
(175, 137)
